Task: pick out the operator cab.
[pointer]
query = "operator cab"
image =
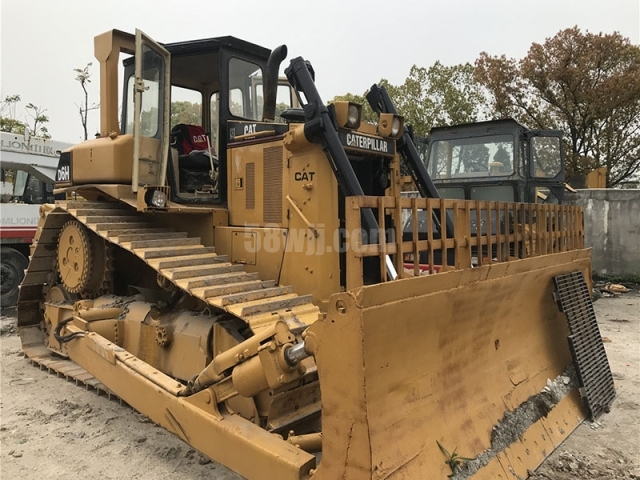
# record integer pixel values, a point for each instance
(214, 92)
(497, 160)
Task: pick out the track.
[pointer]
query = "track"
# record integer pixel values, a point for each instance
(176, 257)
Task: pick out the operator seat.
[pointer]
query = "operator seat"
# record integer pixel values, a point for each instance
(194, 158)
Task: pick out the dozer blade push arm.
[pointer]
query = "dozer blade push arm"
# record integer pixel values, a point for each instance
(320, 128)
(380, 102)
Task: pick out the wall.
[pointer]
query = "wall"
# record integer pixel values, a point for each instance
(612, 228)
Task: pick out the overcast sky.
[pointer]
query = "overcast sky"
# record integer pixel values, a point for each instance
(351, 44)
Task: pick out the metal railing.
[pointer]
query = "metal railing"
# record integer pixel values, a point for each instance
(485, 233)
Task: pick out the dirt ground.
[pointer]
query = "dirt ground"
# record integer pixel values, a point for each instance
(50, 428)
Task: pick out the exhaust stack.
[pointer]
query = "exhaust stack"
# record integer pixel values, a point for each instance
(271, 82)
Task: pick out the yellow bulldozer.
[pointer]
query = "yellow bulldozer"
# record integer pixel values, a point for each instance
(246, 284)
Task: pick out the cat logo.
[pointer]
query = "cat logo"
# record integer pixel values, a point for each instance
(303, 176)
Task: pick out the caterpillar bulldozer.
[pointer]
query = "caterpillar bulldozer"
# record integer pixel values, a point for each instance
(263, 312)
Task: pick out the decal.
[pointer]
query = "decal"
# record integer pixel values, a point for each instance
(358, 141)
(304, 176)
(63, 174)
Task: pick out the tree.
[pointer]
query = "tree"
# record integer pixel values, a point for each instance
(584, 84)
(434, 96)
(474, 158)
(504, 157)
(186, 112)
(84, 77)
(8, 121)
(439, 95)
(39, 119)
(368, 115)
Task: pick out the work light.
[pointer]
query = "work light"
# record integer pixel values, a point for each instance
(348, 114)
(390, 125)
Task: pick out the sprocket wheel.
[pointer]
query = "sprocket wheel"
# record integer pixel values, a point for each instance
(74, 256)
(83, 261)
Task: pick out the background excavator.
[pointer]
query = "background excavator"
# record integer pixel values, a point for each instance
(252, 297)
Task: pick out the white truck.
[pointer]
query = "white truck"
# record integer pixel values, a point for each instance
(27, 174)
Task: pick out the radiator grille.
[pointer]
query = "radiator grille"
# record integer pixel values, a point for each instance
(272, 186)
(250, 199)
(585, 342)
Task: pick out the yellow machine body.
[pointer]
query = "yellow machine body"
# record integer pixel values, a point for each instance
(250, 325)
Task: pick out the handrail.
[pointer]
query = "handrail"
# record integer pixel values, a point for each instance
(485, 233)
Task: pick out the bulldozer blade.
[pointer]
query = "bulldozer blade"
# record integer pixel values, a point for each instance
(463, 374)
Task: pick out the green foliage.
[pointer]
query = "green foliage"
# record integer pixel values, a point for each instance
(430, 97)
(453, 459)
(368, 115)
(632, 279)
(186, 112)
(83, 75)
(11, 125)
(439, 95)
(281, 107)
(9, 122)
(39, 119)
(475, 158)
(584, 84)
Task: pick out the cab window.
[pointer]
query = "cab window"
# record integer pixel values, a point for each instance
(241, 78)
(33, 191)
(215, 118)
(472, 157)
(186, 106)
(546, 160)
(151, 97)
(284, 98)
(131, 81)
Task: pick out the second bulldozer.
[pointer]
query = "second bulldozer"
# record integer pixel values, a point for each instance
(242, 281)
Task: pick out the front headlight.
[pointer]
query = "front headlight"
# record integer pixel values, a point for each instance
(390, 125)
(348, 114)
(353, 117)
(396, 124)
(159, 199)
(151, 196)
